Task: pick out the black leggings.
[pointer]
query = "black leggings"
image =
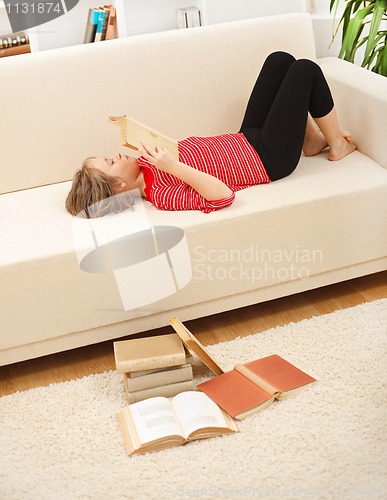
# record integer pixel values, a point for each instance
(277, 111)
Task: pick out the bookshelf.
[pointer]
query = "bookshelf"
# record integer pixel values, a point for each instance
(136, 17)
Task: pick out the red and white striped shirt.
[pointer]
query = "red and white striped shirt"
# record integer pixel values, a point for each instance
(229, 158)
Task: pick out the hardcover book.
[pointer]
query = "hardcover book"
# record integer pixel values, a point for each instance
(158, 423)
(163, 376)
(134, 132)
(192, 344)
(111, 29)
(148, 353)
(91, 26)
(250, 387)
(167, 391)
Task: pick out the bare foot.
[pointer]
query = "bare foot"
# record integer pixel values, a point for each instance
(341, 149)
(314, 144)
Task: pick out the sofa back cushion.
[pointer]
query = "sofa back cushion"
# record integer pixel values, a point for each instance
(55, 104)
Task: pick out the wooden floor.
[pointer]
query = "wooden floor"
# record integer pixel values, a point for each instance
(210, 330)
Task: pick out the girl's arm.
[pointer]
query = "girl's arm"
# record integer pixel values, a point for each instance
(206, 185)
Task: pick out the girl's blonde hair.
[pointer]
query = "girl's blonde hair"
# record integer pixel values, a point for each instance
(92, 193)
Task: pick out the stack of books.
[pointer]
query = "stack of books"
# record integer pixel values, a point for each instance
(156, 423)
(154, 366)
(14, 44)
(101, 24)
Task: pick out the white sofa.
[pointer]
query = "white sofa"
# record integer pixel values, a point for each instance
(325, 223)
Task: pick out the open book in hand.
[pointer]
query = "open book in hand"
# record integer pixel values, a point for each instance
(250, 387)
(134, 132)
(158, 423)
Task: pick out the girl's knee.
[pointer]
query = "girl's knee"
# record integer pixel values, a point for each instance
(281, 58)
(307, 67)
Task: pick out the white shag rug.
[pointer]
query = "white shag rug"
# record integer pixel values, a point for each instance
(63, 441)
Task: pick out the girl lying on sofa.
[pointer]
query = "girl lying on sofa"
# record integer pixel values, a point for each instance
(276, 128)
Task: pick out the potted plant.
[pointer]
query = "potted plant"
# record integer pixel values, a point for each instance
(356, 16)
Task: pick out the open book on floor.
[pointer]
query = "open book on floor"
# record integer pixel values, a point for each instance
(158, 423)
(250, 387)
(134, 132)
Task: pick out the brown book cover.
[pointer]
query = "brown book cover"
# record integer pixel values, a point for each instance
(193, 345)
(134, 132)
(252, 386)
(148, 353)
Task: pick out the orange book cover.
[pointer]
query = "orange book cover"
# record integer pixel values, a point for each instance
(111, 30)
(250, 387)
(274, 374)
(236, 394)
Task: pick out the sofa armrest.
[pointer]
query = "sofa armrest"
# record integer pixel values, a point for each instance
(361, 103)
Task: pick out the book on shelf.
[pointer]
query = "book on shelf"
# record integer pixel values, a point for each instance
(149, 353)
(193, 345)
(101, 24)
(111, 28)
(91, 26)
(250, 387)
(159, 423)
(98, 32)
(189, 17)
(134, 132)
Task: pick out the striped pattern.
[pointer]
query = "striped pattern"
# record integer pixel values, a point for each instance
(228, 157)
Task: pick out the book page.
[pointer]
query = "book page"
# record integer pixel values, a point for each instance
(195, 410)
(155, 419)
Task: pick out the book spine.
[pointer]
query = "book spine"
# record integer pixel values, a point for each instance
(165, 377)
(151, 363)
(105, 23)
(166, 391)
(91, 26)
(111, 26)
(98, 33)
(257, 380)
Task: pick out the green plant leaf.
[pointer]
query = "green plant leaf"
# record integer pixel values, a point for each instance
(352, 34)
(376, 19)
(383, 64)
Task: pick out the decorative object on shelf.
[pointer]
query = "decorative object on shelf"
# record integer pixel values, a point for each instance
(189, 17)
(14, 44)
(356, 16)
